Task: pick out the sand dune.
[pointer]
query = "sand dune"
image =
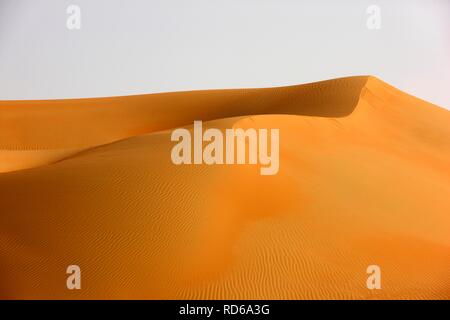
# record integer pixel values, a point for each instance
(364, 179)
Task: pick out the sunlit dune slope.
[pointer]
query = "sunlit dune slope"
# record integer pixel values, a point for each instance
(364, 179)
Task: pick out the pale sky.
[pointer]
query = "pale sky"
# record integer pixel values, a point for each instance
(145, 46)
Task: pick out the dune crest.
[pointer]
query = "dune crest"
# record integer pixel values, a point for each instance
(46, 130)
(364, 179)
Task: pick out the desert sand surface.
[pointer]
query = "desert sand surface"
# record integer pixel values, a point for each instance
(364, 179)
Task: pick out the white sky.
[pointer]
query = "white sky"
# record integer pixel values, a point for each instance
(144, 46)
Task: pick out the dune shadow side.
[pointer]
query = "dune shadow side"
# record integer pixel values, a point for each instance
(331, 98)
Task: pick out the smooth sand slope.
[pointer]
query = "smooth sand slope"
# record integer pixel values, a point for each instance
(364, 179)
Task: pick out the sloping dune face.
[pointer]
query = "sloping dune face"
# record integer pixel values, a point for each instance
(364, 179)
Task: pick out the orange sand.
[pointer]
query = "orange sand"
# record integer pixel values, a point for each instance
(364, 179)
